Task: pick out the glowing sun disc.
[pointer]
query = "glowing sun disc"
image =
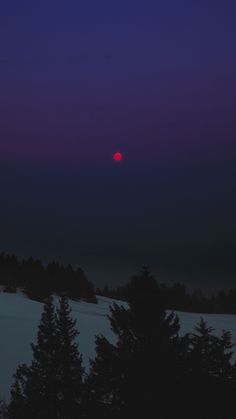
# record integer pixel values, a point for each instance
(117, 156)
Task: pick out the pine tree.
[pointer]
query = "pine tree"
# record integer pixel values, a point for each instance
(70, 371)
(124, 377)
(102, 386)
(51, 387)
(210, 380)
(211, 355)
(34, 392)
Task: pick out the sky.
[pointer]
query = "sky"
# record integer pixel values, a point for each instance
(154, 80)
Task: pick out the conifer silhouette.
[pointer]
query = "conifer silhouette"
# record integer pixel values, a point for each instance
(125, 377)
(70, 371)
(50, 388)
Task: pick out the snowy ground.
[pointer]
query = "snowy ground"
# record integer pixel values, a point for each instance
(19, 318)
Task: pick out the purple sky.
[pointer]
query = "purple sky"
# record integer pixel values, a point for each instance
(155, 80)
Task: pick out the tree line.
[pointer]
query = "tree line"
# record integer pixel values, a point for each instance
(151, 370)
(177, 297)
(38, 282)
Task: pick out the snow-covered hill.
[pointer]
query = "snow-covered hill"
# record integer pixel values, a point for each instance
(19, 318)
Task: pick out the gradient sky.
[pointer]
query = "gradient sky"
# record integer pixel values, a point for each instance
(155, 80)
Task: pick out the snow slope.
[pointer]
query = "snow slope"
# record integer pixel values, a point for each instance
(19, 318)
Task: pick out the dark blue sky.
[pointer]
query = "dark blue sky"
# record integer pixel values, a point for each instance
(155, 80)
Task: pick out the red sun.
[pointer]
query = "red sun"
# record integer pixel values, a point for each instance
(117, 156)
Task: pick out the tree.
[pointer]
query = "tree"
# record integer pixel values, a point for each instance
(126, 378)
(50, 388)
(70, 371)
(35, 389)
(210, 381)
